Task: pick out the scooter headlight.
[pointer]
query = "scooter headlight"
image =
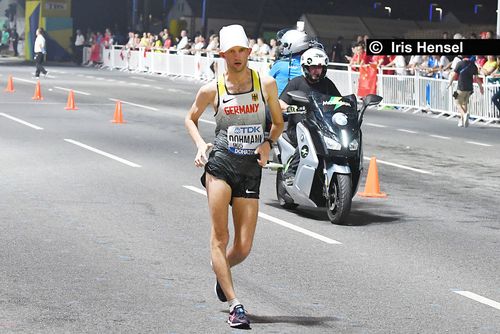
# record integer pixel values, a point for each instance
(332, 144)
(354, 145)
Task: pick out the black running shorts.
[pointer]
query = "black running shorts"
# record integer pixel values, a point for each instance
(242, 173)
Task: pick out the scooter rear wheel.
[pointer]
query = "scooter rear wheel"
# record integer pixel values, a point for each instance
(338, 204)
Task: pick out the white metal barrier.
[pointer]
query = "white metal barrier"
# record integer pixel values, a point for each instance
(403, 91)
(419, 92)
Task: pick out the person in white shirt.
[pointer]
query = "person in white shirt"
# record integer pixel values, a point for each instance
(79, 43)
(183, 42)
(40, 52)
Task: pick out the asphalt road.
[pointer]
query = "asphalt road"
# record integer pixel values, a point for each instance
(104, 227)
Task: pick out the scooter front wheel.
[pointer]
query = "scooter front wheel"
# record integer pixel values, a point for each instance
(284, 198)
(339, 198)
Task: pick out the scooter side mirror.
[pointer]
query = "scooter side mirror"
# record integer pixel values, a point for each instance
(372, 100)
(298, 96)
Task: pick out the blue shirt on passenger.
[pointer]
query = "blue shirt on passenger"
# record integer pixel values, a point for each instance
(283, 71)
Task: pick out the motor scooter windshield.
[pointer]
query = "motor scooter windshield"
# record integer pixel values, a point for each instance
(324, 107)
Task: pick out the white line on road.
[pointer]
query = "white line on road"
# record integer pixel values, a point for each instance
(479, 144)
(376, 125)
(109, 155)
(24, 80)
(439, 137)
(401, 166)
(280, 222)
(21, 121)
(407, 131)
(144, 79)
(134, 104)
(74, 91)
(479, 298)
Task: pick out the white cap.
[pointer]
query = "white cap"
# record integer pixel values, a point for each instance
(458, 36)
(231, 36)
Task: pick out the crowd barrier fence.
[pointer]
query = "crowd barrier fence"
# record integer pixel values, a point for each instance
(402, 91)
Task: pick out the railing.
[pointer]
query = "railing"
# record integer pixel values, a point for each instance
(402, 91)
(420, 92)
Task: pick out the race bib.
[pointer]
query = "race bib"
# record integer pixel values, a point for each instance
(244, 139)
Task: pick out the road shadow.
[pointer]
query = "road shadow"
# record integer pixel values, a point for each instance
(290, 319)
(361, 214)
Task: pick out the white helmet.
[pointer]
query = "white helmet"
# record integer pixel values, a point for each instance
(314, 56)
(294, 41)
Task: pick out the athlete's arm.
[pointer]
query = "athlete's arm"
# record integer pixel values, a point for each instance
(271, 96)
(204, 98)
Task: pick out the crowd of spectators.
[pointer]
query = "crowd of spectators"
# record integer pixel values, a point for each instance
(164, 41)
(435, 66)
(9, 39)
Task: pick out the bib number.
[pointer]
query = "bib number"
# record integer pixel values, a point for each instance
(244, 139)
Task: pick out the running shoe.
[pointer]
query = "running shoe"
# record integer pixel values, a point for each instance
(238, 318)
(466, 120)
(218, 291)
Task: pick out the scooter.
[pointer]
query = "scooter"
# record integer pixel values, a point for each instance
(329, 138)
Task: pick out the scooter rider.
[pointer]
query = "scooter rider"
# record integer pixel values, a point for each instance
(314, 63)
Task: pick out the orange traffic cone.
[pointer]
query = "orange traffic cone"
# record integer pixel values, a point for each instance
(118, 116)
(10, 85)
(372, 186)
(71, 101)
(38, 92)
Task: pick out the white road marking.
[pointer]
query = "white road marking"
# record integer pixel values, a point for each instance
(156, 87)
(401, 166)
(280, 222)
(479, 144)
(144, 79)
(24, 80)
(205, 121)
(75, 91)
(109, 155)
(21, 121)
(479, 298)
(376, 125)
(407, 131)
(134, 104)
(439, 137)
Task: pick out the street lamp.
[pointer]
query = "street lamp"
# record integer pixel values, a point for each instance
(431, 9)
(389, 10)
(476, 8)
(440, 10)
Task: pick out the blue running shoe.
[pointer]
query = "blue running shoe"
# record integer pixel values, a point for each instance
(238, 318)
(220, 294)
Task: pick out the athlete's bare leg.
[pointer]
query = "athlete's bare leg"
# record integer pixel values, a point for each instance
(245, 211)
(219, 196)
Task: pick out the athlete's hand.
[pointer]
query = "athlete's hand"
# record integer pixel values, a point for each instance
(263, 151)
(202, 155)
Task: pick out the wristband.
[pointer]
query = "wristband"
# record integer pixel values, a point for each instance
(270, 141)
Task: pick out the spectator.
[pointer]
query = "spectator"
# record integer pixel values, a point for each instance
(489, 66)
(495, 79)
(338, 51)
(79, 43)
(359, 58)
(4, 40)
(213, 44)
(467, 73)
(183, 43)
(263, 48)
(273, 53)
(252, 44)
(414, 64)
(446, 35)
(14, 38)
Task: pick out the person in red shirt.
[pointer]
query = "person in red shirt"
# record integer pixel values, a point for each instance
(359, 58)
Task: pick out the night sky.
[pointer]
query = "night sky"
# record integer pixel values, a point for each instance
(98, 14)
